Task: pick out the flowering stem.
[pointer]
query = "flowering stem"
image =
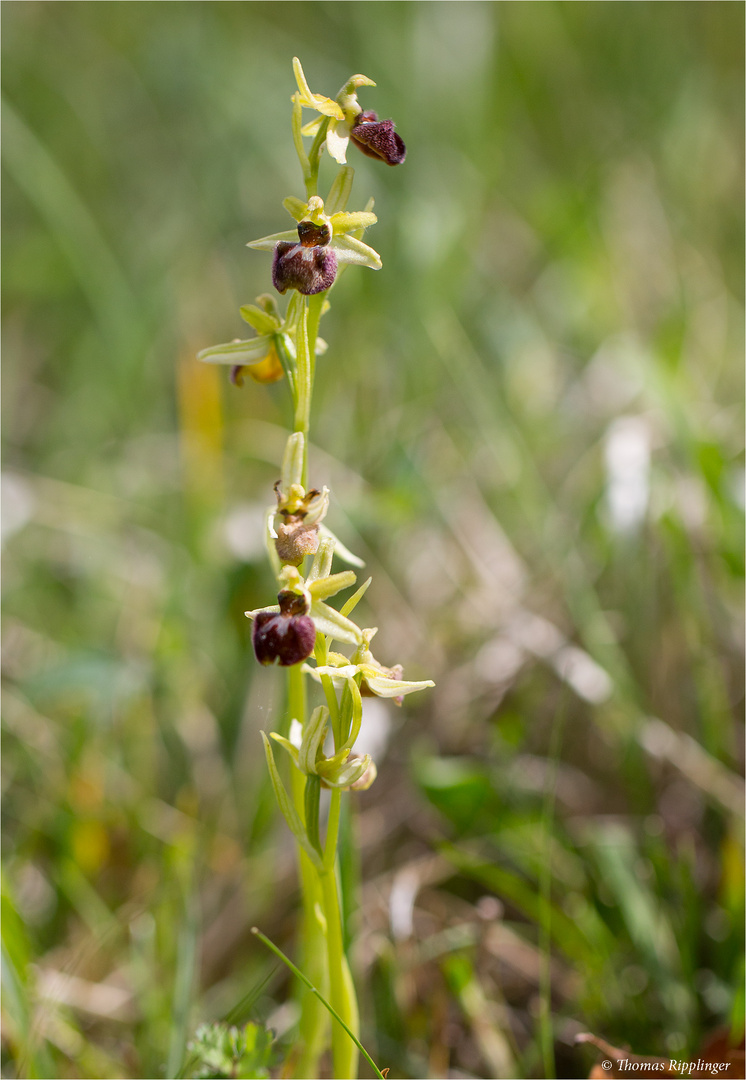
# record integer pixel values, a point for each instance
(313, 159)
(344, 1049)
(313, 1022)
(315, 304)
(298, 141)
(303, 383)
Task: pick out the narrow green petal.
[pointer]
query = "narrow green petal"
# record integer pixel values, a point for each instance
(295, 207)
(268, 243)
(349, 606)
(237, 352)
(350, 250)
(346, 223)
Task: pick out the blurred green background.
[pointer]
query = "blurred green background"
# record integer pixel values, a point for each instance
(531, 421)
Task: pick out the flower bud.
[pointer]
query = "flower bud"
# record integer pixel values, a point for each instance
(309, 266)
(298, 535)
(286, 637)
(377, 138)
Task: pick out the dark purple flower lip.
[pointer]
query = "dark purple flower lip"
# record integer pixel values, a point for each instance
(378, 139)
(309, 266)
(286, 637)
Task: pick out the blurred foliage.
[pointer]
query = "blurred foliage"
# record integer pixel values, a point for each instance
(531, 421)
(228, 1052)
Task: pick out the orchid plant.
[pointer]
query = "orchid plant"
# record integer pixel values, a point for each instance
(303, 625)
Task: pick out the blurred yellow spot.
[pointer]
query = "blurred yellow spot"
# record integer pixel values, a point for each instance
(267, 370)
(201, 424)
(85, 792)
(226, 853)
(89, 844)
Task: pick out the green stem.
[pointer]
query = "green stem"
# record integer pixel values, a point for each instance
(344, 1051)
(315, 304)
(297, 124)
(313, 1027)
(303, 384)
(311, 176)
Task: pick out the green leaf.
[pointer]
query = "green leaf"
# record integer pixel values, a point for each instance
(311, 800)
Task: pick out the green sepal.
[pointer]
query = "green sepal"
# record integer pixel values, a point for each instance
(334, 625)
(295, 207)
(347, 248)
(288, 810)
(311, 800)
